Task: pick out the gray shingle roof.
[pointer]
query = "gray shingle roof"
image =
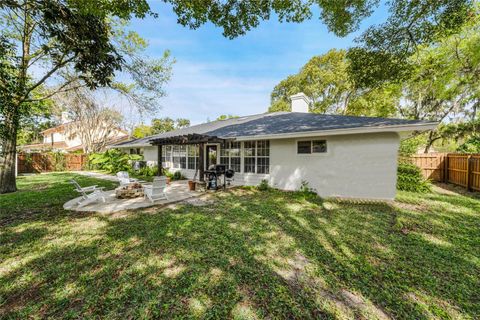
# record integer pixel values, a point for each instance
(291, 122)
(280, 123)
(199, 129)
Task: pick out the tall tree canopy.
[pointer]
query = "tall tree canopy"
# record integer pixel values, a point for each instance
(444, 81)
(325, 79)
(160, 125)
(384, 50)
(51, 46)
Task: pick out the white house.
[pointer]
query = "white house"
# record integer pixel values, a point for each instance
(342, 156)
(65, 137)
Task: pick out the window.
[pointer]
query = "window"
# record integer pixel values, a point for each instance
(183, 157)
(192, 157)
(136, 151)
(225, 154)
(179, 157)
(263, 156)
(167, 156)
(256, 156)
(230, 155)
(249, 156)
(319, 146)
(235, 156)
(304, 147)
(311, 146)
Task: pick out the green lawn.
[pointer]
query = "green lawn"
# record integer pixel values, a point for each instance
(251, 254)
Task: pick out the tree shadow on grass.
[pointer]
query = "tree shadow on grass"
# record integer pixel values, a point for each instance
(174, 264)
(10, 241)
(250, 254)
(401, 270)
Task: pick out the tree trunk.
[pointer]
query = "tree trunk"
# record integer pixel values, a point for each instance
(12, 110)
(8, 156)
(430, 141)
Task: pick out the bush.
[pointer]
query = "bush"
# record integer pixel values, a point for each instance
(59, 161)
(112, 161)
(409, 178)
(306, 189)
(177, 175)
(148, 171)
(263, 185)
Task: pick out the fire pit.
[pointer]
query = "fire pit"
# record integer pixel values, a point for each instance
(131, 190)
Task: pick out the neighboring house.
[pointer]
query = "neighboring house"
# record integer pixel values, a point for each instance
(342, 156)
(64, 137)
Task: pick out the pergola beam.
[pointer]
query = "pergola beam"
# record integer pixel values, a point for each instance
(186, 139)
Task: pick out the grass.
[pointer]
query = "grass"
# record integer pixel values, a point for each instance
(251, 254)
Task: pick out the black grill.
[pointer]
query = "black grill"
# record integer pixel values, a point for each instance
(214, 172)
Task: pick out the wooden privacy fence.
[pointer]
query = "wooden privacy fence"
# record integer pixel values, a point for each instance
(48, 162)
(459, 169)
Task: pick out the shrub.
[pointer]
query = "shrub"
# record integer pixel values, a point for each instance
(263, 185)
(409, 178)
(177, 175)
(112, 161)
(148, 171)
(59, 161)
(306, 190)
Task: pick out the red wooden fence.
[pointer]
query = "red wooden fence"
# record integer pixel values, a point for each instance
(48, 162)
(456, 168)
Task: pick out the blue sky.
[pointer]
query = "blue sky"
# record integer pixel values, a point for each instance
(214, 75)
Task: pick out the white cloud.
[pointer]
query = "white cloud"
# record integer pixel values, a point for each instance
(201, 91)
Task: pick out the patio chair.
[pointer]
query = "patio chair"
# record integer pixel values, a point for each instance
(124, 178)
(157, 190)
(89, 194)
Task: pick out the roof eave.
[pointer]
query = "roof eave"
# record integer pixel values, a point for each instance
(141, 145)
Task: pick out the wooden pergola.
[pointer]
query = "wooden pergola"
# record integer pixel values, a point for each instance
(187, 139)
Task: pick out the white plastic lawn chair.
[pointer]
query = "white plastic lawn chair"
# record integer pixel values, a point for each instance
(157, 190)
(124, 178)
(89, 194)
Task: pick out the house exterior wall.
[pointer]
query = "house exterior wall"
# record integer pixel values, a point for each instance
(354, 166)
(57, 137)
(150, 154)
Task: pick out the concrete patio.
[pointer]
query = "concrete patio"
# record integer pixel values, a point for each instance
(177, 191)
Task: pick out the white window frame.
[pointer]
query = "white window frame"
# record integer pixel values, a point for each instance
(229, 155)
(314, 154)
(242, 159)
(195, 148)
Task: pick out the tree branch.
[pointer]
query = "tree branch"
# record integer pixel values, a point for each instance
(46, 76)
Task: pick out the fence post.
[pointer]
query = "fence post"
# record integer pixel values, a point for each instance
(445, 167)
(468, 172)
